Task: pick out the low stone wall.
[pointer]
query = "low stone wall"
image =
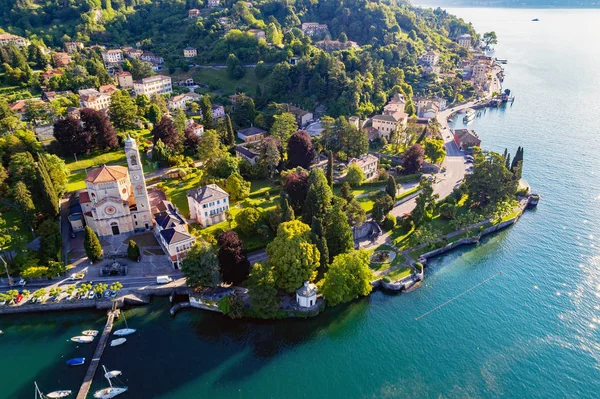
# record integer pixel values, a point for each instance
(132, 297)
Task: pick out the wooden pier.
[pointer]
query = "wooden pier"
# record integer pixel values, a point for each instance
(89, 375)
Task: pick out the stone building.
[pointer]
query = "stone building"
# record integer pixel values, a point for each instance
(116, 200)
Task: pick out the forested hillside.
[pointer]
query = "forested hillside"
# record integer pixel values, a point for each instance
(390, 37)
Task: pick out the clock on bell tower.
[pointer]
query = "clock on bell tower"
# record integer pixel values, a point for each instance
(143, 215)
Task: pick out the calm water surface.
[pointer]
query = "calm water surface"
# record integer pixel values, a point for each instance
(531, 333)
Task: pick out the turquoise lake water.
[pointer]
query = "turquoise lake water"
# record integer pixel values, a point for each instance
(533, 332)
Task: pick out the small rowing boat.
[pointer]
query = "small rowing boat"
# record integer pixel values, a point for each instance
(90, 333)
(78, 361)
(82, 339)
(118, 341)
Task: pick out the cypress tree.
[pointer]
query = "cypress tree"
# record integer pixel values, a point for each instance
(391, 187)
(319, 240)
(505, 154)
(230, 139)
(47, 188)
(346, 192)
(287, 213)
(507, 165)
(133, 251)
(423, 134)
(22, 197)
(329, 173)
(318, 197)
(91, 243)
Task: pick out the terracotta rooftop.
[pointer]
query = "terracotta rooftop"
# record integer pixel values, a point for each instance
(105, 174)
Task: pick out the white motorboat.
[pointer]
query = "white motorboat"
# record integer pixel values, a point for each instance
(58, 394)
(124, 331)
(90, 333)
(52, 395)
(118, 341)
(112, 374)
(111, 391)
(82, 339)
(469, 116)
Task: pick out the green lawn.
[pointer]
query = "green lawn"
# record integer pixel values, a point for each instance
(218, 80)
(177, 195)
(95, 159)
(400, 273)
(22, 235)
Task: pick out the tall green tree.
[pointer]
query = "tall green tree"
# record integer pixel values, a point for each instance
(347, 278)
(51, 200)
(201, 266)
(329, 172)
(338, 232)
(391, 188)
(122, 110)
(490, 182)
(424, 203)
(318, 238)
(283, 127)
(91, 243)
(230, 137)
(133, 250)
(355, 175)
(50, 240)
(262, 291)
(22, 198)
(206, 107)
(319, 196)
(287, 212)
(293, 256)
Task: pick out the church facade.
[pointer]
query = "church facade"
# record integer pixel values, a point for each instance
(116, 199)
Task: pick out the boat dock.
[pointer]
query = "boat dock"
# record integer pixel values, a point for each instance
(89, 375)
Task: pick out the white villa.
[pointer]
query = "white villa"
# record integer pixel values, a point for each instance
(92, 98)
(369, 164)
(190, 52)
(208, 204)
(218, 111)
(115, 200)
(158, 84)
(111, 57)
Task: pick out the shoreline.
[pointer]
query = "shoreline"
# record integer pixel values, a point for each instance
(143, 296)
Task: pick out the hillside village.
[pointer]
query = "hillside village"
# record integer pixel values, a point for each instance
(229, 171)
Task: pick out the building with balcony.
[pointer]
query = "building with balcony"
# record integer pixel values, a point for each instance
(158, 84)
(208, 204)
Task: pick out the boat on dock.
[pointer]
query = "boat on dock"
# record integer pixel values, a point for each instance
(111, 391)
(77, 361)
(118, 341)
(52, 395)
(90, 333)
(535, 20)
(82, 339)
(124, 331)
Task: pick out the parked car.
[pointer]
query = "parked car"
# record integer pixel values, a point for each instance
(76, 276)
(163, 279)
(22, 282)
(91, 295)
(19, 298)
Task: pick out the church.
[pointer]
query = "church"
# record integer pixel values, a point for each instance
(116, 200)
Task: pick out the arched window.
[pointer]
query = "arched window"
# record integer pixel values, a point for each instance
(139, 190)
(133, 160)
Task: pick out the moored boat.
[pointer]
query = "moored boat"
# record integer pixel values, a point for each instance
(112, 374)
(52, 395)
(118, 341)
(469, 115)
(58, 394)
(90, 333)
(82, 339)
(111, 391)
(124, 331)
(77, 361)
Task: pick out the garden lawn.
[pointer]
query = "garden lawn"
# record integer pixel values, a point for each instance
(96, 159)
(400, 273)
(256, 199)
(218, 80)
(22, 234)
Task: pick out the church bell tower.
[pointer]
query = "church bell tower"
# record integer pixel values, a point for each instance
(142, 218)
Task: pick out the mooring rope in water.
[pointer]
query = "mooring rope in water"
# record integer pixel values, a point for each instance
(458, 296)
